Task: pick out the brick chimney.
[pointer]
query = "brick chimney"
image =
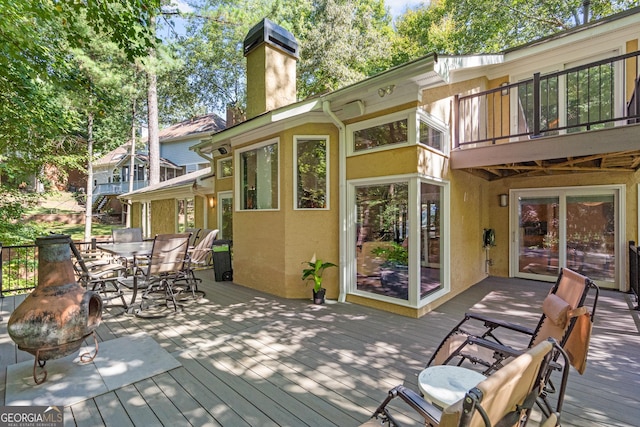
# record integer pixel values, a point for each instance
(272, 53)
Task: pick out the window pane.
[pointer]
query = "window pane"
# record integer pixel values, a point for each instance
(312, 173)
(226, 168)
(378, 136)
(431, 136)
(430, 241)
(259, 169)
(381, 246)
(539, 222)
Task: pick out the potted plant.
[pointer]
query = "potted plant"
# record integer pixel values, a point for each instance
(314, 270)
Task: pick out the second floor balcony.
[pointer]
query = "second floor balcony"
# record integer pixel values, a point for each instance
(582, 118)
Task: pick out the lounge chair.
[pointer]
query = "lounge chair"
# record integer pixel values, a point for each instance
(505, 398)
(478, 341)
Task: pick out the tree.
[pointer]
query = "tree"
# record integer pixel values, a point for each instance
(346, 41)
(36, 73)
(489, 26)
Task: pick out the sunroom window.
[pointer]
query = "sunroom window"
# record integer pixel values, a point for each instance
(394, 132)
(259, 179)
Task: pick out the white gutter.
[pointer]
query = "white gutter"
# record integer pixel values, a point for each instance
(342, 199)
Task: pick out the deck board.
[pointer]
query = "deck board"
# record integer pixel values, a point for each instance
(249, 358)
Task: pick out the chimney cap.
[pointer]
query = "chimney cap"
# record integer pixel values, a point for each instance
(268, 32)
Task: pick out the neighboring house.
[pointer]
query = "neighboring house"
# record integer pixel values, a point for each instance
(111, 171)
(424, 179)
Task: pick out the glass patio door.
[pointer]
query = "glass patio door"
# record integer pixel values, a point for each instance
(577, 228)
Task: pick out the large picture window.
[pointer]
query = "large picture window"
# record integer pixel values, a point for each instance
(398, 238)
(311, 157)
(259, 179)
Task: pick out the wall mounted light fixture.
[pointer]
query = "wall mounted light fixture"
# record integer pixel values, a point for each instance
(212, 201)
(505, 89)
(387, 90)
(504, 200)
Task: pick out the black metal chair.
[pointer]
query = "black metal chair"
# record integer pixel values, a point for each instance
(102, 278)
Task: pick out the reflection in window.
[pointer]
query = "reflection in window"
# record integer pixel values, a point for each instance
(431, 136)
(225, 168)
(380, 135)
(430, 241)
(311, 173)
(259, 178)
(381, 245)
(186, 214)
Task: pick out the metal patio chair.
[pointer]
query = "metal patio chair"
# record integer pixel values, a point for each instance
(199, 257)
(506, 398)
(478, 341)
(158, 279)
(101, 278)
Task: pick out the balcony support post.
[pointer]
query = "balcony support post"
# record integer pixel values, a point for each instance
(536, 104)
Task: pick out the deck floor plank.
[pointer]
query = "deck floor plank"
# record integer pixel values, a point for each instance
(249, 358)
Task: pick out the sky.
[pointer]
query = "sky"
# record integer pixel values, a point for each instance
(396, 7)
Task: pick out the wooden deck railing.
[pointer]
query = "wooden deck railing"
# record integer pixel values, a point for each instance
(597, 95)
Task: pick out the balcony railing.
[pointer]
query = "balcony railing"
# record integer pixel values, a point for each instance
(115, 188)
(597, 95)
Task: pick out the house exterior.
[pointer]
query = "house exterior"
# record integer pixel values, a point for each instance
(111, 171)
(424, 179)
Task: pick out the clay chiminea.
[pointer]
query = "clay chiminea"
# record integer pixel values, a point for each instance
(54, 319)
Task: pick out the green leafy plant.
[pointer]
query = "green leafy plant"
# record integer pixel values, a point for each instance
(393, 253)
(314, 270)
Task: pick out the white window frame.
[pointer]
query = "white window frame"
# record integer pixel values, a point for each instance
(621, 246)
(409, 115)
(238, 175)
(222, 195)
(220, 169)
(436, 124)
(414, 181)
(185, 200)
(295, 170)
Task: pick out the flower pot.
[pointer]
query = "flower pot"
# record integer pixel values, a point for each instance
(318, 297)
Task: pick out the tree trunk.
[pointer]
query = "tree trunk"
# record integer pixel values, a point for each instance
(132, 162)
(152, 104)
(89, 200)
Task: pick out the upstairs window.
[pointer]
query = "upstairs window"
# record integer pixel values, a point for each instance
(395, 132)
(225, 168)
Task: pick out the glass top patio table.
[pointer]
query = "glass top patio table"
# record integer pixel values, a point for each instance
(129, 250)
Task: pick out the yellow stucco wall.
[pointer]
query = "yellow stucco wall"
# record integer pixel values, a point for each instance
(271, 79)
(270, 246)
(163, 216)
(136, 214)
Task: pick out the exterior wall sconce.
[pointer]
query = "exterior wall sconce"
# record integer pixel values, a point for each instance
(505, 89)
(387, 90)
(212, 201)
(504, 200)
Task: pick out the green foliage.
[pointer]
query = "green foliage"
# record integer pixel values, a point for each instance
(393, 253)
(314, 270)
(489, 26)
(13, 204)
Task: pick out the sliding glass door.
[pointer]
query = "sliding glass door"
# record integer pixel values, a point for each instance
(578, 228)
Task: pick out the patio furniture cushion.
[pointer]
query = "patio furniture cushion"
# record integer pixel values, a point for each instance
(556, 309)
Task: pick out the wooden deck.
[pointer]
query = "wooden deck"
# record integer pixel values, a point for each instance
(251, 359)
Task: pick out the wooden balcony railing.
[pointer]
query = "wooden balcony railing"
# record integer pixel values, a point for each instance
(597, 95)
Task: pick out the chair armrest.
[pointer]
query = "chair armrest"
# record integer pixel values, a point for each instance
(503, 350)
(413, 399)
(495, 323)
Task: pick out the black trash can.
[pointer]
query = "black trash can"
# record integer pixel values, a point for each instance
(222, 260)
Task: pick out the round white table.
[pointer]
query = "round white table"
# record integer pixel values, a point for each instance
(444, 385)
